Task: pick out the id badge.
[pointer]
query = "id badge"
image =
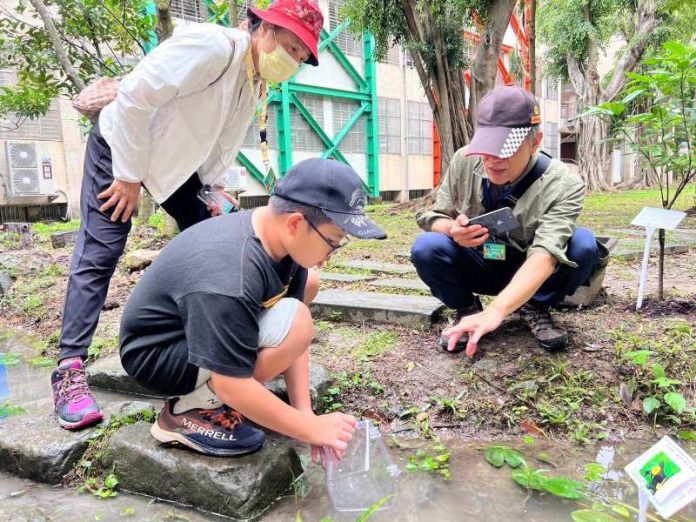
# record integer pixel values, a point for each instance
(494, 251)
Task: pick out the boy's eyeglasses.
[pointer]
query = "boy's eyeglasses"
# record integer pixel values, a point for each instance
(334, 246)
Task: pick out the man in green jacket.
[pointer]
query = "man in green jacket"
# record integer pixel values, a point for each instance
(533, 266)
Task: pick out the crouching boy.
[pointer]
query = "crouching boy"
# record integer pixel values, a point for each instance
(221, 311)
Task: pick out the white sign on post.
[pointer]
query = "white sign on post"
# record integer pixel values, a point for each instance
(653, 218)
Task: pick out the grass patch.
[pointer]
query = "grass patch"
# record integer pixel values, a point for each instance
(46, 229)
(102, 346)
(375, 346)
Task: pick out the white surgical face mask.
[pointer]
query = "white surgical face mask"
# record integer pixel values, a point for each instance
(278, 65)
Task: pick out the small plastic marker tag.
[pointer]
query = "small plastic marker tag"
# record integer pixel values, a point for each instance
(494, 251)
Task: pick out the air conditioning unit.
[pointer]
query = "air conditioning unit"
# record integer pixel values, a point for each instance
(28, 174)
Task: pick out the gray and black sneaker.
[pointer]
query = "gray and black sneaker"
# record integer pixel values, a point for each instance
(472, 309)
(546, 333)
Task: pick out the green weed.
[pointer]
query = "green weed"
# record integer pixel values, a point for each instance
(375, 346)
(435, 461)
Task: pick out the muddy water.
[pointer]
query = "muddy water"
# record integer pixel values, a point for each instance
(476, 491)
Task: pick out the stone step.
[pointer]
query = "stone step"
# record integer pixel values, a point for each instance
(377, 267)
(401, 283)
(416, 311)
(107, 373)
(239, 487)
(344, 278)
(633, 252)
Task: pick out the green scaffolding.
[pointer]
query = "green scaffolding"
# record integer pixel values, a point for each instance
(285, 96)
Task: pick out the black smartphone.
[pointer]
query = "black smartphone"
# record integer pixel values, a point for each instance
(497, 222)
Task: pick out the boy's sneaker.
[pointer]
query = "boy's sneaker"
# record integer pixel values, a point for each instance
(221, 432)
(547, 334)
(472, 309)
(74, 404)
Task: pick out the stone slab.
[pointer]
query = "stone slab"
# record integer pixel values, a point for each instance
(139, 259)
(631, 254)
(108, 373)
(416, 311)
(240, 487)
(378, 268)
(344, 278)
(34, 446)
(62, 239)
(403, 255)
(401, 283)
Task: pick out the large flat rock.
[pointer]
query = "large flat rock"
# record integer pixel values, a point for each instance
(401, 283)
(344, 278)
(416, 311)
(34, 446)
(239, 487)
(107, 373)
(378, 268)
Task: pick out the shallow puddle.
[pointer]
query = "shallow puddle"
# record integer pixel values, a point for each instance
(476, 491)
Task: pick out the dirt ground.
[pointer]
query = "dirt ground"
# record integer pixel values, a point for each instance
(400, 377)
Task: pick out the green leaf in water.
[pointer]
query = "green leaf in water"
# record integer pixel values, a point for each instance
(373, 508)
(43, 362)
(676, 401)
(623, 511)
(529, 478)
(686, 435)
(594, 472)
(564, 487)
(10, 359)
(651, 404)
(588, 515)
(499, 455)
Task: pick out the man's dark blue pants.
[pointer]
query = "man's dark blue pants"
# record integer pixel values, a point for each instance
(100, 243)
(454, 273)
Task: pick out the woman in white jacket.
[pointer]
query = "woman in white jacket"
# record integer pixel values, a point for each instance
(177, 124)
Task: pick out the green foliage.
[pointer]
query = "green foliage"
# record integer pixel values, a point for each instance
(157, 220)
(567, 28)
(101, 38)
(591, 515)
(445, 18)
(435, 461)
(102, 346)
(652, 377)
(7, 410)
(498, 455)
(46, 229)
(375, 346)
(10, 359)
(656, 117)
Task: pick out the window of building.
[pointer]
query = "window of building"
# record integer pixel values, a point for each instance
(389, 125)
(191, 10)
(43, 128)
(252, 139)
(355, 140)
(349, 44)
(392, 56)
(420, 129)
(303, 137)
(551, 89)
(551, 137)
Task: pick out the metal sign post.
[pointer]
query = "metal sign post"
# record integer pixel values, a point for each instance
(653, 219)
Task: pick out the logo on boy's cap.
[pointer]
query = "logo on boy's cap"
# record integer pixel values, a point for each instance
(336, 189)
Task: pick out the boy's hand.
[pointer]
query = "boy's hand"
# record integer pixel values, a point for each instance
(333, 430)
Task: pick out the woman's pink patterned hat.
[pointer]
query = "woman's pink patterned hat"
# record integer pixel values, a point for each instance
(301, 17)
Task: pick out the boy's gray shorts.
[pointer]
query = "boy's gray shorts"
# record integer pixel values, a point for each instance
(275, 323)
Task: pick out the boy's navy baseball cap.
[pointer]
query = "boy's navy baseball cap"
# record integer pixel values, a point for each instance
(333, 187)
(505, 117)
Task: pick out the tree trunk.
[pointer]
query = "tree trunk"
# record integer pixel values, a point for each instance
(165, 25)
(532, 45)
(147, 206)
(54, 37)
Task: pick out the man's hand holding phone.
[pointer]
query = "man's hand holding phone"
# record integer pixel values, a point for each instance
(467, 235)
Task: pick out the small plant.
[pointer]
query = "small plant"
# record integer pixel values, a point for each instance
(102, 489)
(376, 345)
(7, 410)
(102, 346)
(332, 399)
(10, 359)
(436, 461)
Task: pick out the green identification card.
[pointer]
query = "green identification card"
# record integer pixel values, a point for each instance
(494, 251)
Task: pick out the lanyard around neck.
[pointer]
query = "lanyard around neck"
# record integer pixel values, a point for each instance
(263, 118)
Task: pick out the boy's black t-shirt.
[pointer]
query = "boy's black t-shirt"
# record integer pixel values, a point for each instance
(209, 285)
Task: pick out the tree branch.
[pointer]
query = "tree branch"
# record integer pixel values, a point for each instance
(57, 45)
